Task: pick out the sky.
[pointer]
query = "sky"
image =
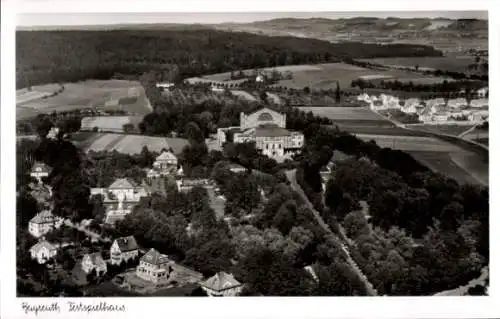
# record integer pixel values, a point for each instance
(102, 18)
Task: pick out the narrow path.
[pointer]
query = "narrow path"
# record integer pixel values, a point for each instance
(461, 135)
(88, 232)
(291, 175)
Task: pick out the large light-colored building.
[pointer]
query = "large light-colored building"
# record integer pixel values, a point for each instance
(154, 267)
(119, 198)
(43, 223)
(123, 249)
(222, 284)
(43, 251)
(267, 129)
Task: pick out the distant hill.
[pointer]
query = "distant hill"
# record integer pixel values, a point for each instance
(469, 32)
(103, 27)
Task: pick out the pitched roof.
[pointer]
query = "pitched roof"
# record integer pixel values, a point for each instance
(42, 244)
(95, 258)
(154, 257)
(44, 217)
(271, 131)
(126, 243)
(166, 156)
(221, 281)
(121, 183)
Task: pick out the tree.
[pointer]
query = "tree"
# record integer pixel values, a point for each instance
(337, 93)
(194, 133)
(263, 97)
(355, 224)
(128, 127)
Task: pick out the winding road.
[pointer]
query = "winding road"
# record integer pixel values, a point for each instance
(291, 175)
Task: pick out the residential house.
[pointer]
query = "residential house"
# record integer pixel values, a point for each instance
(53, 133)
(39, 171)
(165, 164)
(124, 249)
(222, 284)
(389, 101)
(377, 105)
(478, 116)
(259, 78)
(425, 115)
(43, 251)
(410, 106)
(154, 267)
(459, 103)
(435, 103)
(43, 223)
(479, 103)
(95, 262)
(482, 92)
(165, 85)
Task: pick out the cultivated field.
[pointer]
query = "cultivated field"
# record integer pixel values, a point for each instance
(411, 143)
(344, 113)
(473, 164)
(450, 129)
(448, 63)
(109, 123)
(110, 94)
(133, 144)
(325, 76)
(443, 163)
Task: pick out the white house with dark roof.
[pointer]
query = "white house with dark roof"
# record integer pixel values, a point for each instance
(267, 129)
(154, 266)
(222, 284)
(43, 223)
(95, 262)
(43, 251)
(482, 92)
(40, 170)
(124, 249)
(410, 106)
(165, 164)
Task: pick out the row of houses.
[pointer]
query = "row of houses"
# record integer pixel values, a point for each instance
(437, 110)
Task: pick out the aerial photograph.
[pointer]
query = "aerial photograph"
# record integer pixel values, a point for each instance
(252, 154)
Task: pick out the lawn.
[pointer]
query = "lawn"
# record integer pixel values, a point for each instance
(448, 63)
(86, 94)
(443, 163)
(411, 143)
(133, 144)
(325, 76)
(450, 129)
(109, 123)
(345, 113)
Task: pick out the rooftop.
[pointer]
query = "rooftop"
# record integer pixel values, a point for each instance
(121, 183)
(44, 217)
(41, 245)
(221, 281)
(154, 257)
(127, 243)
(166, 156)
(271, 131)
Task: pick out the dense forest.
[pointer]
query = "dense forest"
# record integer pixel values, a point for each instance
(61, 56)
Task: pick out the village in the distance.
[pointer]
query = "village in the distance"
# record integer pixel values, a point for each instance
(250, 160)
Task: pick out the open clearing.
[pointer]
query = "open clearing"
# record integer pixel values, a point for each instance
(344, 113)
(450, 129)
(325, 76)
(109, 123)
(448, 63)
(109, 94)
(411, 143)
(133, 144)
(443, 163)
(244, 95)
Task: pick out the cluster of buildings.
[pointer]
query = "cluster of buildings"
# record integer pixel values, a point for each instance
(267, 129)
(437, 110)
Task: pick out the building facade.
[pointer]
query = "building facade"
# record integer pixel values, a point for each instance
(123, 249)
(165, 164)
(39, 171)
(119, 198)
(43, 251)
(43, 223)
(154, 267)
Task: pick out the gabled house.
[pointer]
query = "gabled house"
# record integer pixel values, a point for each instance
(95, 262)
(482, 92)
(166, 163)
(459, 103)
(124, 249)
(222, 284)
(43, 251)
(410, 106)
(43, 223)
(154, 266)
(39, 171)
